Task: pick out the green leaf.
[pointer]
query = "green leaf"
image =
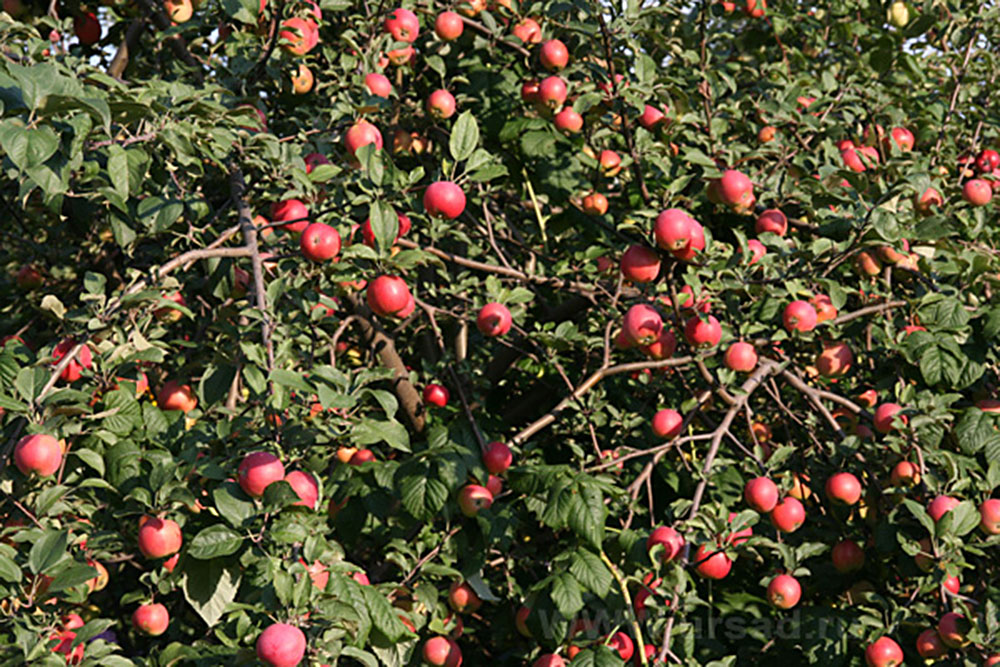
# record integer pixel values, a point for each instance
(920, 514)
(947, 313)
(385, 224)
(383, 614)
(118, 170)
(371, 431)
(964, 518)
(209, 586)
(566, 594)
(74, 575)
(464, 136)
(587, 514)
(9, 571)
(47, 551)
(29, 382)
(423, 496)
(216, 540)
(126, 413)
(292, 380)
(974, 430)
(90, 630)
(233, 504)
(591, 572)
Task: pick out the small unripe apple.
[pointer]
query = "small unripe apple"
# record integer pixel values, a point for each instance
(437, 395)
(497, 458)
(741, 357)
(977, 192)
(761, 494)
(884, 652)
(703, 333)
(884, 416)
(847, 556)
(159, 538)
(441, 104)
(151, 619)
(472, 498)
(929, 644)
(257, 471)
(378, 84)
(176, 396)
(989, 516)
(444, 199)
(554, 56)
(552, 92)
(640, 264)
(898, 14)
(462, 598)
(388, 295)
(305, 486)
(494, 320)
(403, 25)
(940, 506)
(38, 454)
(448, 26)
(642, 324)
(319, 242)
(800, 316)
(953, 628)
(788, 515)
(712, 562)
(281, 645)
(772, 220)
(843, 487)
(673, 229)
(568, 121)
(784, 591)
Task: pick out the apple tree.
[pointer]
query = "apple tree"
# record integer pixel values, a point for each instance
(343, 333)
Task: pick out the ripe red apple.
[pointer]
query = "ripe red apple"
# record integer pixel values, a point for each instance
(568, 121)
(319, 242)
(497, 458)
(378, 84)
(472, 498)
(800, 316)
(400, 57)
(761, 494)
(388, 295)
(741, 357)
(835, 359)
(258, 470)
(663, 347)
(642, 324)
(494, 319)
(362, 133)
(611, 163)
(847, 556)
(766, 134)
(667, 423)
(528, 31)
(444, 199)
(903, 138)
(788, 515)
(987, 161)
(825, 309)
(640, 264)
(529, 91)
(159, 538)
(855, 158)
(905, 473)
(703, 333)
(755, 8)
(549, 660)
(462, 598)
(977, 192)
(402, 229)
(305, 486)
(740, 536)
(441, 104)
(403, 25)
(884, 652)
(281, 645)
(361, 456)
(74, 369)
(87, 28)
(929, 644)
(554, 56)
(621, 643)
(151, 619)
(672, 541)
(442, 652)
(448, 26)
(843, 487)
(552, 92)
(989, 515)
(712, 562)
(757, 250)
(992, 660)
(291, 209)
(299, 35)
(694, 246)
(302, 79)
(595, 204)
(735, 189)
(952, 584)
(924, 202)
(784, 591)
(176, 396)
(673, 229)
(884, 415)
(436, 395)
(772, 220)
(953, 628)
(940, 506)
(28, 277)
(38, 454)
(651, 117)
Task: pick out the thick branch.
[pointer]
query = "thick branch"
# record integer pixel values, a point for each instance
(867, 310)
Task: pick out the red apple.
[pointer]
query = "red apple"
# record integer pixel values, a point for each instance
(528, 31)
(38, 454)
(361, 456)
(989, 515)
(757, 250)
(299, 35)
(673, 229)
(905, 473)
(761, 494)
(766, 134)
(151, 619)
(621, 643)
(784, 591)
(953, 628)
(703, 333)
(903, 138)
(74, 369)
(176, 396)
(554, 56)
(884, 416)
(494, 319)
(672, 541)
(305, 487)
(472, 498)
(772, 220)
(800, 316)
(595, 204)
(825, 309)
(87, 28)
(28, 278)
(319, 242)
(667, 423)
(436, 395)
(281, 645)
(835, 359)
(741, 357)
(663, 347)
(924, 202)
(987, 161)
(442, 652)
(258, 470)
(290, 209)
(640, 264)
(529, 91)
(549, 660)
(694, 246)
(788, 515)
(940, 506)
(402, 229)
(159, 538)
(403, 25)
(362, 133)
(843, 487)
(884, 652)
(651, 117)
(568, 121)
(448, 26)
(847, 556)
(444, 199)
(552, 92)
(388, 295)
(977, 192)
(611, 163)
(497, 458)
(929, 644)
(952, 584)
(712, 562)
(378, 84)
(441, 104)
(735, 189)
(462, 598)
(642, 324)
